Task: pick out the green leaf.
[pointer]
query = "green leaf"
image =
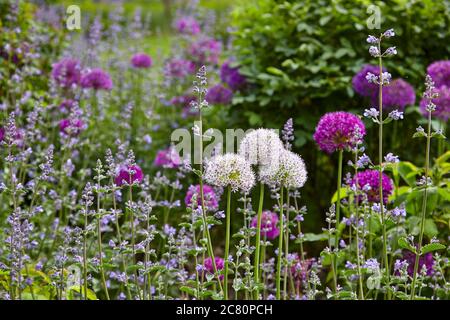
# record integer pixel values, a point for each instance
(189, 290)
(312, 237)
(431, 247)
(430, 228)
(404, 244)
(343, 195)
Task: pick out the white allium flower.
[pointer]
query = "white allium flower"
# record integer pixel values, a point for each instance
(230, 170)
(261, 147)
(290, 171)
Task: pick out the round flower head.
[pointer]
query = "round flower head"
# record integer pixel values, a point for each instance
(440, 73)
(96, 79)
(187, 25)
(219, 95)
(167, 158)
(128, 174)
(338, 131)
(424, 261)
(179, 68)
(211, 201)
(231, 76)
(205, 51)
(360, 83)
(261, 147)
(369, 182)
(397, 95)
(269, 221)
(208, 265)
(71, 127)
(442, 103)
(290, 171)
(141, 60)
(230, 170)
(67, 72)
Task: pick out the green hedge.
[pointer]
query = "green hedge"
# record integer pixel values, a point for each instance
(301, 55)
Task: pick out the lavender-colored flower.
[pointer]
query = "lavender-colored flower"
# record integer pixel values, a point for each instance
(218, 94)
(442, 103)
(337, 131)
(187, 25)
(208, 265)
(67, 105)
(141, 60)
(269, 221)
(389, 33)
(183, 101)
(179, 68)
(67, 72)
(129, 174)
(231, 76)
(211, 201)
(424, 261)
(2, 133)
(71, 127)
(398, 94)
(360, 83)
(440, 73)
(96, 79)
(167, 158)
(369, 181)
(205, 51)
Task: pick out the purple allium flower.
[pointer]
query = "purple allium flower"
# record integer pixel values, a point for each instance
(337, 131)
(231, 76)
(67, 105)
(360, 83)
(129, 174)
(208, 265)
(440, 73)
(442, 103)
(269, 221)
(141, 60)
(187, 25)
(396, 95)
(96, 79)
(205, 51)
(211, 201)
(425, 260)
(167, 158)
(218, 94)
(370, 178)
(179, 68)
(71, 127)
(67, 72)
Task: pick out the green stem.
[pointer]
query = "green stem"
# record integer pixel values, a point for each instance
(424, 208)
(258, 239)
(280, 247)
(286, 248)
(380, 159)
(338, 217)
(227, 243)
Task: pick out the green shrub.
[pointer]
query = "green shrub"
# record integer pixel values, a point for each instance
(301, 55)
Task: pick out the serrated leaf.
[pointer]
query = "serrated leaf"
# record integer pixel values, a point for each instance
(404, 244)
(431, 247)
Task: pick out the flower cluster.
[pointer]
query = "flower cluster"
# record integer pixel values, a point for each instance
(337, 131)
